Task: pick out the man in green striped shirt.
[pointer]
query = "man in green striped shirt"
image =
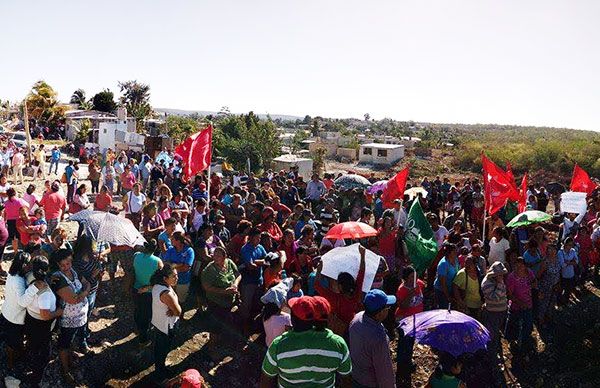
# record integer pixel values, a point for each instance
(305, 357)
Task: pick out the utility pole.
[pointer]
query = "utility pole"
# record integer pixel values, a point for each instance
(27, 134)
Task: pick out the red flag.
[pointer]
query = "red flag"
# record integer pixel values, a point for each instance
(523, 195)
(581, 181)
(509, 172)
(196, 152)
(498, 186)
(395, 188)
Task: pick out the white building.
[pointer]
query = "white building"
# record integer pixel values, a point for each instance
(284, 162)
(383, 154)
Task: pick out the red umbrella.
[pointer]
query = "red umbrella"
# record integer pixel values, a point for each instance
(351, 230)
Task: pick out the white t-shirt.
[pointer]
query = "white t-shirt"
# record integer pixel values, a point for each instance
(498, 250)
(276, 326)
(44, 301)
(326, 243)
(4, 189)
(135, 203)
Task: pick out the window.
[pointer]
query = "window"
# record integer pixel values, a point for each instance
(382, 153)
(367, 151)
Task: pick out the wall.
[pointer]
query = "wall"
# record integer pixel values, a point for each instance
(349, 153)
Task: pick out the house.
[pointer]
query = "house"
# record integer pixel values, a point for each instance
(107, 130)
(380, 154)
(285, 162)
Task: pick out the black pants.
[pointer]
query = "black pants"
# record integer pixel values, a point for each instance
(143, 314)
(404, 353)
(95, 185)
(39, 336)
(162, 347)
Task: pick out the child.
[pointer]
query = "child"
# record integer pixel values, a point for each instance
(445, 375)
(272, 275)
(296, 290)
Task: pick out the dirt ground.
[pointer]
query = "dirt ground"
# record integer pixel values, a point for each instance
(565, 354)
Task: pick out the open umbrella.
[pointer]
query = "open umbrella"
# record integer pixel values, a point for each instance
(351, 230)
(352, 181)
(449, 331)
(109, 228)
(377, 186)
(347, 259)
(529, 217)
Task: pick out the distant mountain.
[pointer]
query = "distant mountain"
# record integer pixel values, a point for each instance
(182, 112)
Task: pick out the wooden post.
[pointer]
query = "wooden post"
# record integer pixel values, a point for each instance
(27, 134)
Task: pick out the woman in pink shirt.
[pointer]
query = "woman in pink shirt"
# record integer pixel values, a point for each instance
(11, 215)
(127, 180)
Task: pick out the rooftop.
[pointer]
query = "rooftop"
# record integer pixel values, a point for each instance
(289, 158)
(383, 146)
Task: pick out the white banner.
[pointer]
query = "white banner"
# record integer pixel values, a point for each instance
(573, 202)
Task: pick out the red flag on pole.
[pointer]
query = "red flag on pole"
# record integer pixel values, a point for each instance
(509, 172)
(523, 195)
(196, 152)
(395, 188)
(498, 186)
(581, 181)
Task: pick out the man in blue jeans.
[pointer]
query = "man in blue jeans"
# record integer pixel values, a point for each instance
(55, 158)
(253, 259)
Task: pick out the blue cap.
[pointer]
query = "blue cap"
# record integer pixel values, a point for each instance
(376, 300)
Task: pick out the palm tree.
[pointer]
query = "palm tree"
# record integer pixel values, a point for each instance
(43, 105)
(78, 98)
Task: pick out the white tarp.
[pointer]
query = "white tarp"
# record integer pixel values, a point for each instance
(347, 259)
(573, 202)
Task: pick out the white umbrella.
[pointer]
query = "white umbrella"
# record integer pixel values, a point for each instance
(109, 228)
(347, 259)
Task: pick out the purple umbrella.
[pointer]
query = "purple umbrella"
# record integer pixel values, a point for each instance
(377, 186)
(449, 331)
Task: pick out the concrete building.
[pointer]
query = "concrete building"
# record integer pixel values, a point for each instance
(380, 154)
(284, 162)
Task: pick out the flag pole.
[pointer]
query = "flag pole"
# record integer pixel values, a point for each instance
(209, 165)
(484, 222)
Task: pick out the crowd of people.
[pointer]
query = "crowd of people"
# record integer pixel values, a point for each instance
(245, 251)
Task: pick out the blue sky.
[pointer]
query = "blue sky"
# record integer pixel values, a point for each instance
(471, 61)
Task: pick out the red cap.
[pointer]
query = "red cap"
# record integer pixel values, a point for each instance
(322, 309)
(191, 379)
(303, 307)
(202, 186)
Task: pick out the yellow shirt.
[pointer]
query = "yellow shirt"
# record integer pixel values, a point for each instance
(472, 296)
(40, 156)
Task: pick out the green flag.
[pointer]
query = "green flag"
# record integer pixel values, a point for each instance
(419, 238)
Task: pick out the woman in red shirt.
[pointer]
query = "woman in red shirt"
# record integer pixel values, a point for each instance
(289, 245)
(386, 242)
(268, 225)
(409, 299)
(347, 302)
(103, 200)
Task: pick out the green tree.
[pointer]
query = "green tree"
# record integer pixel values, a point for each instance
(242, 137)
(104, 101)
(180, 127)
(136, 98)
(43, 106)
(78, 97)
(84, 131)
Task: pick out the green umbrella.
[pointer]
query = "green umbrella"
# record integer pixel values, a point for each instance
(529, 217)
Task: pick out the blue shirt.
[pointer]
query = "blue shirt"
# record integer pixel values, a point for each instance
(164, 237)
(568, 270)
(55, 155)
(135, 169)
(249, 254)
(533, 261)
(69, 172)
(197, 194)
(300, 224)
(448, 270)
(186, 256)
